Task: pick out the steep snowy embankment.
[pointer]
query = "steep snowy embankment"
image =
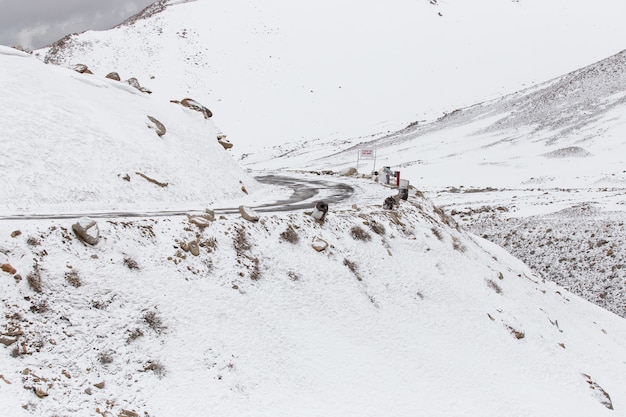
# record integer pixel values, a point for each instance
(400, 314)
(76, 142)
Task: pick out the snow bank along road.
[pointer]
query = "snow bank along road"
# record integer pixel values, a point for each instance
(305, 192)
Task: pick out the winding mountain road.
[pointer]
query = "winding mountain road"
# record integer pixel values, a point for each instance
(305, 193)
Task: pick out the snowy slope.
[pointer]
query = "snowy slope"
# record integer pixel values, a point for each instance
(276, 71)
(540, 172)
(70, 139)
(402, 314)
(567, 132)
(406, 316)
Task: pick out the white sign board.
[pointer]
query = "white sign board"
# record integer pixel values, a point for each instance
(367, 153)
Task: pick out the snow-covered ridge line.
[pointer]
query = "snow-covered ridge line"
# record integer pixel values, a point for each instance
(151, 10)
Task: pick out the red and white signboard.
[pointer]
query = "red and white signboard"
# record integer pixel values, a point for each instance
(367, 153)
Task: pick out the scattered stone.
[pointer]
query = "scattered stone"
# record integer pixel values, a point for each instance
(128, 413)
(226, 144)
(82, 68)
(8, 268)
(7, 340)
(200, 219)
(210, 214)
(201, 222)
(194, 105)
(244, 189)
(249, 214)
(319, 244)
(157, 126)
(194, 248)
(133, 82)
(88, 391)
(40, 392)
(16, 233)
(348, 172)
(113, 76)
(126, 177)
(99, 385)
(17, 277)
(66, 374)
(87, 230)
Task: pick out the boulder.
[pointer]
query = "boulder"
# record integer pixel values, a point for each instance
(8, 268)
(157, 126)
(201, 218)
(349, 172)
(113, 76)
(249, 214)
(194, 105)
(225, 143)
(7, 340)
(87, 230)
(319, 244)
(194, 248)
(82, 68)
(199, 221)
(133, 82)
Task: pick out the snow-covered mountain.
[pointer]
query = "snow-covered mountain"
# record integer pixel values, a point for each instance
(276, 71)
(371, 312)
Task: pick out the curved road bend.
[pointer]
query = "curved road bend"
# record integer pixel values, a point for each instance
(305, 193)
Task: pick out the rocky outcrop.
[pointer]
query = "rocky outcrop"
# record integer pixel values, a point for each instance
(87, 230)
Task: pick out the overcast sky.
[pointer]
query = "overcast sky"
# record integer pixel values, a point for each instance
(36, 23)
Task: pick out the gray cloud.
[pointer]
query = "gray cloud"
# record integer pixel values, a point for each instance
(36, 23)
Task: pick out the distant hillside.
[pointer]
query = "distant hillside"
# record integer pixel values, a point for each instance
(274, 73)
